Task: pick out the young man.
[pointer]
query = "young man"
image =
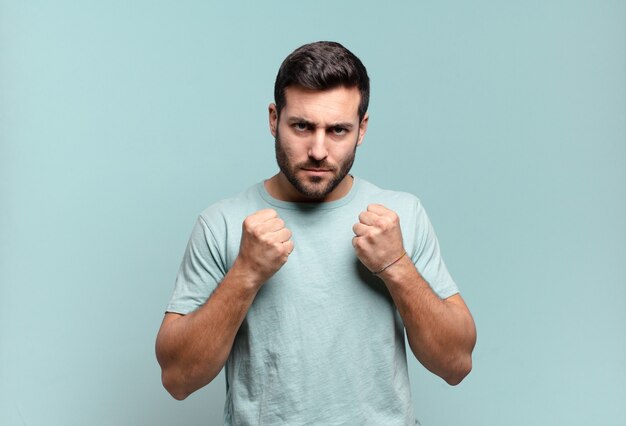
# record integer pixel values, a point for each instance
(304, 285)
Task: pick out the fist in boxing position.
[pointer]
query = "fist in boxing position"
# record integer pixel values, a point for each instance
(265, 245)
(378, 238)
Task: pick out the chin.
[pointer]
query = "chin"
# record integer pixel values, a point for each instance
(316, 190)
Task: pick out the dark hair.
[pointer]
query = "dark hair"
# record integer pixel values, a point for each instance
(322, 65)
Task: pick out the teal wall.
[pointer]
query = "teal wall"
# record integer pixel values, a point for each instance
(120, 121)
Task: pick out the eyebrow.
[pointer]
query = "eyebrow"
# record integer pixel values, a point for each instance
(294, 120)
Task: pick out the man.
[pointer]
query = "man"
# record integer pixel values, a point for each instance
(304, 285)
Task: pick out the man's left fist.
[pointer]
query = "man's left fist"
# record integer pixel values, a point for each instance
(378, 238)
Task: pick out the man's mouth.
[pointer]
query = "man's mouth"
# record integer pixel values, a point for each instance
(316, 171)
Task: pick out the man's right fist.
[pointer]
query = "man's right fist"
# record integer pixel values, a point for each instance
(265, 245)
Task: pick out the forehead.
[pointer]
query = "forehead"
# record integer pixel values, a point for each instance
(337, 104)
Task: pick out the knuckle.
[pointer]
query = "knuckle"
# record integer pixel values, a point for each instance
(261, 236)
(357, 243)
(247, 222)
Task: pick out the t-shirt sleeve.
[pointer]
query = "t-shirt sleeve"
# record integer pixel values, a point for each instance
(427, 256)
(201, 270)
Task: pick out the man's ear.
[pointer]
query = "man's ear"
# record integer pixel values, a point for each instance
(363, 128)
(273, 117)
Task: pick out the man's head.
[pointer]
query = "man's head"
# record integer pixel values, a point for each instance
(322, 65)
(318, 120)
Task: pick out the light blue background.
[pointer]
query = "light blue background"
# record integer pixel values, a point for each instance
(120, 121)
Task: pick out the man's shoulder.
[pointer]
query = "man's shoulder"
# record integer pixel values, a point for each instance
(388, 196)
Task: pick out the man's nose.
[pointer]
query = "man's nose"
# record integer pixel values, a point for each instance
(317, 149)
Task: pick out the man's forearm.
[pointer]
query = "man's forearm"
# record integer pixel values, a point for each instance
(441, 333)
(192, 349)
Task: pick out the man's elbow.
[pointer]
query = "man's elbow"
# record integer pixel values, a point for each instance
(457, 374)
(174, 387)
(181, 384)
(461, 363)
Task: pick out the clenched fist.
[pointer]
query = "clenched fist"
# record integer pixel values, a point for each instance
(265, 245)
(378, 238)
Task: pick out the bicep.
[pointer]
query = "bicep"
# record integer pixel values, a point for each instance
(457, 302)
(459, 305)
(163, 340)
(169, 318)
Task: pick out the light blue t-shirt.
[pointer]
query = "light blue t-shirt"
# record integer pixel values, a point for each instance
(322, 343)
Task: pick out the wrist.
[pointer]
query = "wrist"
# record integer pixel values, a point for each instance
(384, 268)
(245, 276)
(395, 271)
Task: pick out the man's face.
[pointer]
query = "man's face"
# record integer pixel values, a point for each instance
(316, 139)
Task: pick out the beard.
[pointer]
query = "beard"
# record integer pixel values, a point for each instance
(314, 187)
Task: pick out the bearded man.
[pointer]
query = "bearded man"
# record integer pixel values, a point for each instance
(304, 285)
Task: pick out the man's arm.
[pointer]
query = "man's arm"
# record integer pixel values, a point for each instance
(193, 348)
(441, 333)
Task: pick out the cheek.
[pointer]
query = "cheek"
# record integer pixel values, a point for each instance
(287, 152)
(287, 148)
(292, 148)
(343, 152)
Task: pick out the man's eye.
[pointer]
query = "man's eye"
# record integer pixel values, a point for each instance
(339, 130)
(300, 126)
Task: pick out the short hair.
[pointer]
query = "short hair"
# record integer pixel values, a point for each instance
(322, 65)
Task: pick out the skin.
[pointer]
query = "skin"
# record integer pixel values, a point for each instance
(316, 136)
(441, 333)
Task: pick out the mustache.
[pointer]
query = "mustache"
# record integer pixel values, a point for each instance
(316, 165)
